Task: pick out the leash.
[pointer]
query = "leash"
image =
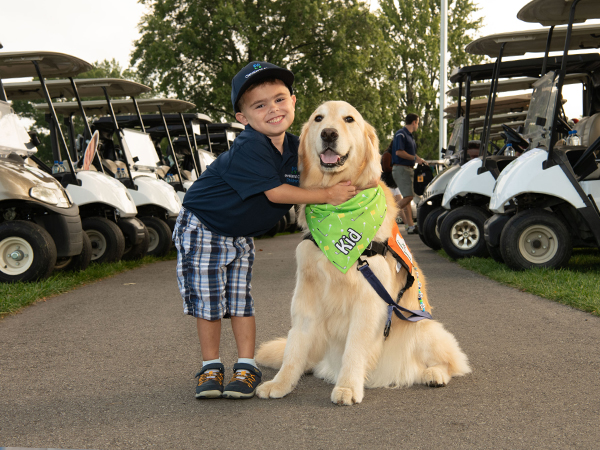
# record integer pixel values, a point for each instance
(393, 306)
(380, 248)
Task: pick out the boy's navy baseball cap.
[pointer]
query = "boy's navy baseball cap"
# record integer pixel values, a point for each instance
(256, 71)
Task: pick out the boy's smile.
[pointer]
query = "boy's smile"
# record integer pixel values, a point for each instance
(269, 109)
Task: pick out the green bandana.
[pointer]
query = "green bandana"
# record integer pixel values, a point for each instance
(343, 232)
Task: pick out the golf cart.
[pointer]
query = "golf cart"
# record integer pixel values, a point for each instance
(430, 207)
(545, 202)
(132, 161)
(40, 226)
(466, 198)
(180, 176)
(107, 211)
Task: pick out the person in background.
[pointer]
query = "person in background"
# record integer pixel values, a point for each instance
(404, 158)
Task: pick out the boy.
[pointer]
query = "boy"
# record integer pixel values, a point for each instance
(242, 194)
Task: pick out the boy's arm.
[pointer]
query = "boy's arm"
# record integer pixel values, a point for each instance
(334, 195)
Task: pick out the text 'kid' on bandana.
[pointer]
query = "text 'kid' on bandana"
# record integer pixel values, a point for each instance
(343, 232)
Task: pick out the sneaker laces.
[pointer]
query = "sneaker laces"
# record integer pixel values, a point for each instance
(244, 376)
(211, 375)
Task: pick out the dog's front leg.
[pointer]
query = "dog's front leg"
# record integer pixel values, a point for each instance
(300, 343)
(364, 344)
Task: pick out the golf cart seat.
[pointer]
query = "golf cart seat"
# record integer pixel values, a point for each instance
(187, 175)
(110, 166)
(162, 171)
(588, 129)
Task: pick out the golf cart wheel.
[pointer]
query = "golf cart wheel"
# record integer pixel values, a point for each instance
(461, 234)
(535, 238)
(27, 252)
(495, 253)
(108, 242)
(431, 236)
(78, 262)
(160, 236)
(137, 251)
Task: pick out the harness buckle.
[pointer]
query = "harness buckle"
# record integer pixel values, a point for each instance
(361, 263)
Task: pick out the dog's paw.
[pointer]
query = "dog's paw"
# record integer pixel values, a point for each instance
(272, 389)
(345, 396)
(436, 377)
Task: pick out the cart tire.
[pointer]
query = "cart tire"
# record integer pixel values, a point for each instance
(430, 234)
(27, 252)
(78, 262)
(461, 234)
(535, 238)
(160, 236)
(137, 251)
(108, 242)
(495, 253)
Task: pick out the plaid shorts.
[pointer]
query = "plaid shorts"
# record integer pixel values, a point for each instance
(213, 271)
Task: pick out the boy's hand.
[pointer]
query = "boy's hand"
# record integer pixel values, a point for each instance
(340, 193)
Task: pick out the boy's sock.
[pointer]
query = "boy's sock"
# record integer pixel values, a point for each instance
(212, 361)
(247, 361)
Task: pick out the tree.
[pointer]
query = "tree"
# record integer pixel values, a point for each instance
(414, 69)
(336, 49)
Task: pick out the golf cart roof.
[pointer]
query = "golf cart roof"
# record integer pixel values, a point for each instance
(513, 103)
(498, 127)
(534, 41)
(556, 12)
(87, 87)
(100, 107)
(527, 67)
(52, 64)
(155, 120)
(480, 89)
(213, 129)
(499, 118)
(513, 84)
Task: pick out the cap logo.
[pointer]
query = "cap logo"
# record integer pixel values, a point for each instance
(257, 69)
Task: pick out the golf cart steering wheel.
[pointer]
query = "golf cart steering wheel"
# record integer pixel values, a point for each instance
(515, 138)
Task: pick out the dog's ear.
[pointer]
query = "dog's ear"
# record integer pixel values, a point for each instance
(372, 157)
(303, 148)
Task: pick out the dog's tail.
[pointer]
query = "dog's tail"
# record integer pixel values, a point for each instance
(270, 354)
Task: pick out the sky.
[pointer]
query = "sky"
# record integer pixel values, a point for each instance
(95, 31)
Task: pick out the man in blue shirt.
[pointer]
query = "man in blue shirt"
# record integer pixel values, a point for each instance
(242, 194)
(404, 158)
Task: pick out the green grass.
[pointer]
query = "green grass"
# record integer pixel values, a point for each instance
(576, 285)
(15, 296)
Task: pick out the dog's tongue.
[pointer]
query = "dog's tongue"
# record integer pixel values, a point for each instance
(329, 157)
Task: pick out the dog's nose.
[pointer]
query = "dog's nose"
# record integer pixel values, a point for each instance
(329, 134)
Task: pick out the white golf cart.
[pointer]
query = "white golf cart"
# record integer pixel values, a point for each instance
(461, 229)
(133, 163)
(107, 211)
(430, 207)
(40, 226)
(545, 202)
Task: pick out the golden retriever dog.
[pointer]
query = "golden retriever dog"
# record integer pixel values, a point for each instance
(337, 318)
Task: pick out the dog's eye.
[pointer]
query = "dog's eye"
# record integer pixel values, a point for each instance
(318, 118)
(349, 119)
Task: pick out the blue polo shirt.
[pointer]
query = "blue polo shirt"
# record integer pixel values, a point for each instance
(403, 140)
(229, 198)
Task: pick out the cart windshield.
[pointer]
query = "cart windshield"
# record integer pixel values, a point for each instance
(456, 139)
(13, 137)
(139, 149)
(540, 117)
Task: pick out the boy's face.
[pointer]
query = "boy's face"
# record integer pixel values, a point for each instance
(268, 108)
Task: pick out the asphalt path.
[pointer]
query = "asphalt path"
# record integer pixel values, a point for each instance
(111, 366)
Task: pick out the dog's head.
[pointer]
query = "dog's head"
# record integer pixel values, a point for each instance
(337, 144)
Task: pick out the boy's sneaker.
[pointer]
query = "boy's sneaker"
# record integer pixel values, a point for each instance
(210, 381)
(244, 382)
